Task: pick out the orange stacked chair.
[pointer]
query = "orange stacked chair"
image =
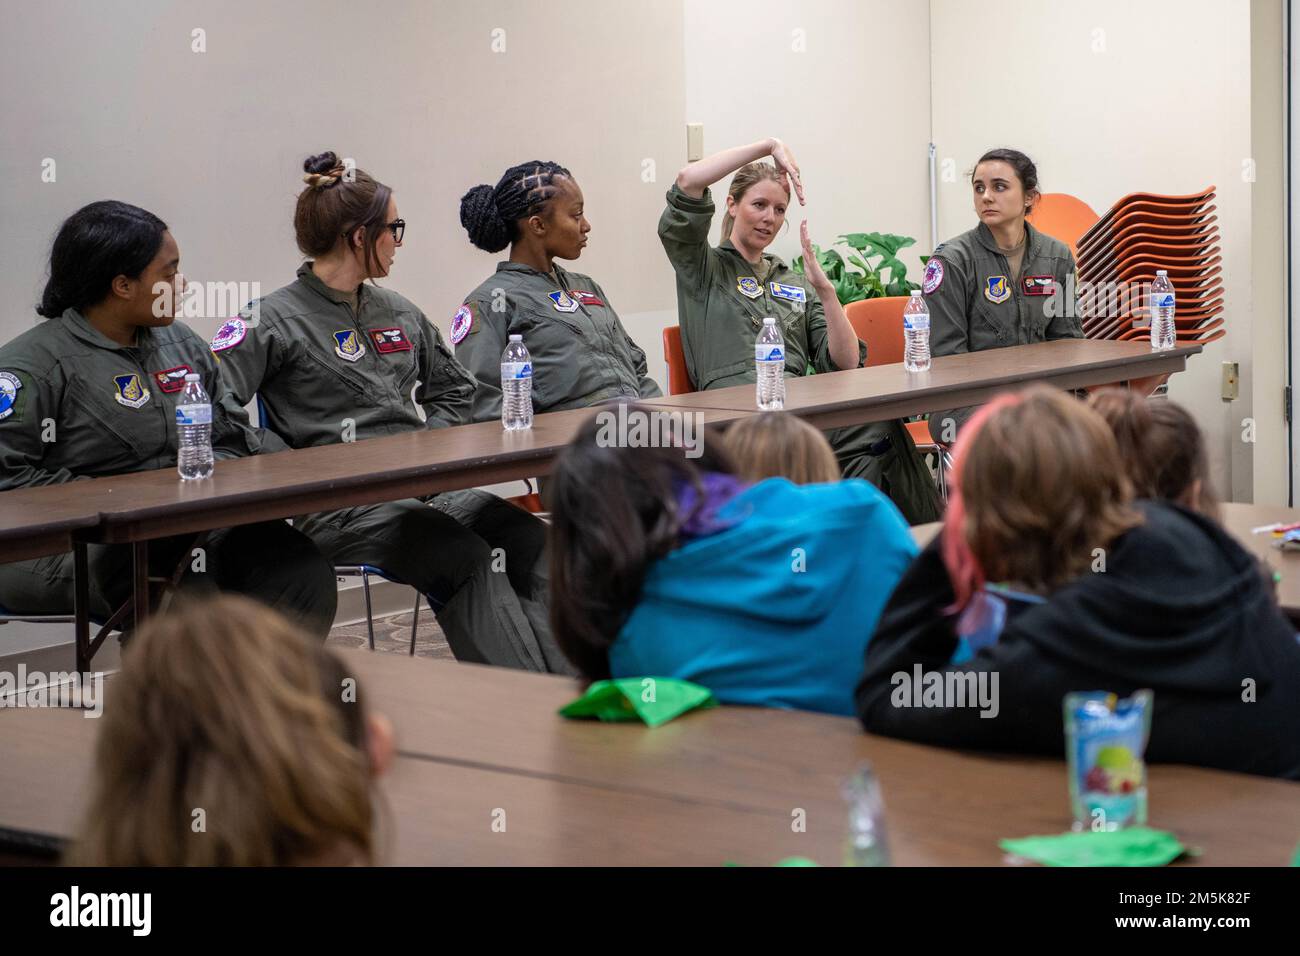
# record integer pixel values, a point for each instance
(1118, 258)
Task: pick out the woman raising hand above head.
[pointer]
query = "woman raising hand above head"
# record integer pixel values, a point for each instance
(725, 291)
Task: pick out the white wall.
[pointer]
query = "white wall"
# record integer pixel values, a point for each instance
(1079, 88)
(213, 142)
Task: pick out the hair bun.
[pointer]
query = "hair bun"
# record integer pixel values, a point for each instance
(323, 169)
(483, 221)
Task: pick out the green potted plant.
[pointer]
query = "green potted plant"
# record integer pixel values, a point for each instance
(866, 281)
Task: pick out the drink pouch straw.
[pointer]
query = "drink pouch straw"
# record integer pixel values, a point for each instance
(1105, 740)
(652, 700)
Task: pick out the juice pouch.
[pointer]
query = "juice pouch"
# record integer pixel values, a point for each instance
(1105, 739)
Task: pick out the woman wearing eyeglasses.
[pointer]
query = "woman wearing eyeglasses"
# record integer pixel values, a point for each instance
(334, 359)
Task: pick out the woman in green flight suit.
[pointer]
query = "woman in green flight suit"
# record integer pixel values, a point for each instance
(581, 353)
(725, 291)
(92, 392)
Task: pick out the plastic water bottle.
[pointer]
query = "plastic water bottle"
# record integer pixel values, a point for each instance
(194, 431)
(516, 386)
(1162, 312)
(866, 845)
(769, 364)
(916, 334)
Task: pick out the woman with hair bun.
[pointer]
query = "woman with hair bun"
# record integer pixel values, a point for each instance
(334, 358)
(581, 353)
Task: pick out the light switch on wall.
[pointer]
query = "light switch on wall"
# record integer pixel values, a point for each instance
(694, 142)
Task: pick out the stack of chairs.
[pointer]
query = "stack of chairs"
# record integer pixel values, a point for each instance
(1119, 255)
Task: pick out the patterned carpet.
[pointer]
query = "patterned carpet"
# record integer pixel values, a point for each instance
(393, 636)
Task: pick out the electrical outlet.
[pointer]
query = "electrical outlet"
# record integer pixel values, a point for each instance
(694, 142)
(1231, 384)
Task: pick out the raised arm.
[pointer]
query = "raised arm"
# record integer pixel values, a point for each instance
(696, 177)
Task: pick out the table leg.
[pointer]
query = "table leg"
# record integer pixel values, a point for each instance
(81, 604)
(140, 563)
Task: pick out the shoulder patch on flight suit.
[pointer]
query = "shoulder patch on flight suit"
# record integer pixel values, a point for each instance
(130, 392)
(230, 334)
(586, 298)
(9, 386)
(748, 286)
(563, 302)
(996, 289)
(1039, 285)
(172, 379)
(461, 323)
(933, 275)
(347, 346)
(390, 340)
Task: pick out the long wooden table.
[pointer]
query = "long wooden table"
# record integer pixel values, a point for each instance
(135, 508)
(480, 745)
(882, 392)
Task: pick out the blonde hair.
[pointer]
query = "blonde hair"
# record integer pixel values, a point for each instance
(746, 176)
(780, 445)
(224, 707)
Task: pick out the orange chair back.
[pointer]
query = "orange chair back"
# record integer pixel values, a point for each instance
(879, 323)
(679, 380)
(1063, 217)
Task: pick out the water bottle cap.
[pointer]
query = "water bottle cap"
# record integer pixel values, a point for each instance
(916, 293)
(1162, 272)
(516, 338)
(769, 320)
(192, 377)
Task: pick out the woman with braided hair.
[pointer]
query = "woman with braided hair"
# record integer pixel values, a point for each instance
(581, 353)
(334, 358)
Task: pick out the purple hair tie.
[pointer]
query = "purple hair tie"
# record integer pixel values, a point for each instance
(701, 509)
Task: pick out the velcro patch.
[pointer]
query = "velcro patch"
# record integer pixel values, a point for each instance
(229, 335)
(9, 387)
(1039, 285)
(172, 379)
(933, 275)
(586, 298)
(390, 340)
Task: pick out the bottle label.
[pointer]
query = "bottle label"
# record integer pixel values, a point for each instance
(1162, 300)
(193, 415)
(918, 322)
(516, 370)
(769, 352)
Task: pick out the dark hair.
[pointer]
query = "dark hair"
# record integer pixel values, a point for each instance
(1161, 445)
(1025, 169)
(614, 510)
(94, 246)
(336, 201)
(491, 214)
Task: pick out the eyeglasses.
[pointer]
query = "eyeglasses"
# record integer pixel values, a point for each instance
(397, 227)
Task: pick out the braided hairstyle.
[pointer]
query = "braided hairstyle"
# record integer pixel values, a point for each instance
(491, 215)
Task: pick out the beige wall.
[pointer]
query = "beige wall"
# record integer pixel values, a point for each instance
(213, 141)
(1080, 89)
(1268, 260)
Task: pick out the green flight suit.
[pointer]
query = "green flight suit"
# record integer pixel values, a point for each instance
(975, 303)
(324, 374)
(580, 351)
(74, 404)
(721, 304)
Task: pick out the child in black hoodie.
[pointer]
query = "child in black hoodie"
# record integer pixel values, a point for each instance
(1137, 594)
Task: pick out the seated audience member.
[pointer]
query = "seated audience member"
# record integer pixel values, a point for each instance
(1134, 594)
(665, 563)
(1161, 446)
(223, 705)
(780, 445)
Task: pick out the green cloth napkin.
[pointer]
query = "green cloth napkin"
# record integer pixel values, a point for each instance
(654, 700)
(1133, 846)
